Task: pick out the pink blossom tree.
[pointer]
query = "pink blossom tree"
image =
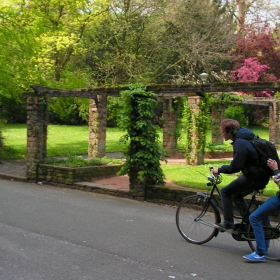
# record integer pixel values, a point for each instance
(253, 71)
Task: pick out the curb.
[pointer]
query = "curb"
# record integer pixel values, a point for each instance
(13, 178)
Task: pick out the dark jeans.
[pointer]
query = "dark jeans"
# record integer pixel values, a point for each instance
(235, 191)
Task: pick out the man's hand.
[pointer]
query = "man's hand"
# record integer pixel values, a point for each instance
(215, 171)
(272, 164)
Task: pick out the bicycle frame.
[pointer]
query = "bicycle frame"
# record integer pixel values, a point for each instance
(213, 182)
(197, 217)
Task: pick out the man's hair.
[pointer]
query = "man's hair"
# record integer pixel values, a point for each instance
(230, 126)
(277, 179)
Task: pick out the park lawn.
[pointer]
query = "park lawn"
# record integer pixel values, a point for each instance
(196, 176)
(62, 140)
(66, 139)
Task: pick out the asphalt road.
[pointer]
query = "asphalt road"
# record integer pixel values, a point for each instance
(63, 234)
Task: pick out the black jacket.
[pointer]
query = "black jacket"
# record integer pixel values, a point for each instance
(245, 158)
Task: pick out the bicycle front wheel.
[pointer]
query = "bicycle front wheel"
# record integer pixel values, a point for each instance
(195, 219)
(271, 228)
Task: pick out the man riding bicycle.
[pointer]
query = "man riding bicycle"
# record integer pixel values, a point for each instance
(246, 160)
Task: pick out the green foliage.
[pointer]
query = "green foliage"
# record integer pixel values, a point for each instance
(82, 44)
(143, 152)
(195, 123)
(225, 98)
(79, 161)
(211, 147)
(187, 124)
(13, 109)
(202, 121)
(68, 110)
(236, 113)
(40, 43)
(195, 176)
(113, 109)
(62, 140)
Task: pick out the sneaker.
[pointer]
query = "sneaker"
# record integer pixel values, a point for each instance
(224, 227)
(254, 257)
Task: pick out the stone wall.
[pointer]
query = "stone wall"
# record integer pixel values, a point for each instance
(50, 174)
(169, 141)
(36, 134)
(37, 115)
(165, 195)
(97, 126)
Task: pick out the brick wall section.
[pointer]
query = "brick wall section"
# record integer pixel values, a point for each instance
(197, 157)
(218, 114)
(36, 134)
(154, 194)
(97, 126)
(169, 126)
(51, 174)
(37, 115)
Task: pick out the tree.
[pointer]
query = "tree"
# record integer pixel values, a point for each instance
(16, 43)
(153, 41)
(120, 47)
(253, 71)
(39, 39)
(197, 38)
(143, 152)
(261, 41)
(245, 11)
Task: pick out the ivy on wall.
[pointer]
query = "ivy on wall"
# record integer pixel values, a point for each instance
(195, 124)
(143, 153)
(187, 125)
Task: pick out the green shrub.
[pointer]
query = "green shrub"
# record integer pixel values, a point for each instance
(143, 151)
(79, 161)
(236, 113)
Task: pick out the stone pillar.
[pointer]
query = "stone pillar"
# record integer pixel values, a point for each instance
(97, 126)
(197, 157)
(274, 123)
(218, 114)
(36, 135)
(169, 127)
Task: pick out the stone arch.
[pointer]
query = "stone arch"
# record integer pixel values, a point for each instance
(272, 103)
(37, 114)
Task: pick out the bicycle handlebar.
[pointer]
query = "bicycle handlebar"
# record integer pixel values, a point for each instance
(217, 179)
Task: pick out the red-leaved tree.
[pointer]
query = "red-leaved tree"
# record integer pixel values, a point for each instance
(253, 71)
(263, 42)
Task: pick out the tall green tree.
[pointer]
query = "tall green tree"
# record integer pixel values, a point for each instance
(120, 47)
(151, 41)
(39, 39)
(197, 38)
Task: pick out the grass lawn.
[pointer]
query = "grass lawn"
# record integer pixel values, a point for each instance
(66, 139)
(62, 140)
(196, 176)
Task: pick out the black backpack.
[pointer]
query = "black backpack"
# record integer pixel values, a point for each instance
(265, 150)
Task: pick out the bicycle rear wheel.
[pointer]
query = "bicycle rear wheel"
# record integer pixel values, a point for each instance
(271, 229)
(195, 219)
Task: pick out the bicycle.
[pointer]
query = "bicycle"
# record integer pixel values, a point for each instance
(198, 214)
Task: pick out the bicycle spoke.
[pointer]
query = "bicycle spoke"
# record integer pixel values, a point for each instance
(195, 219)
